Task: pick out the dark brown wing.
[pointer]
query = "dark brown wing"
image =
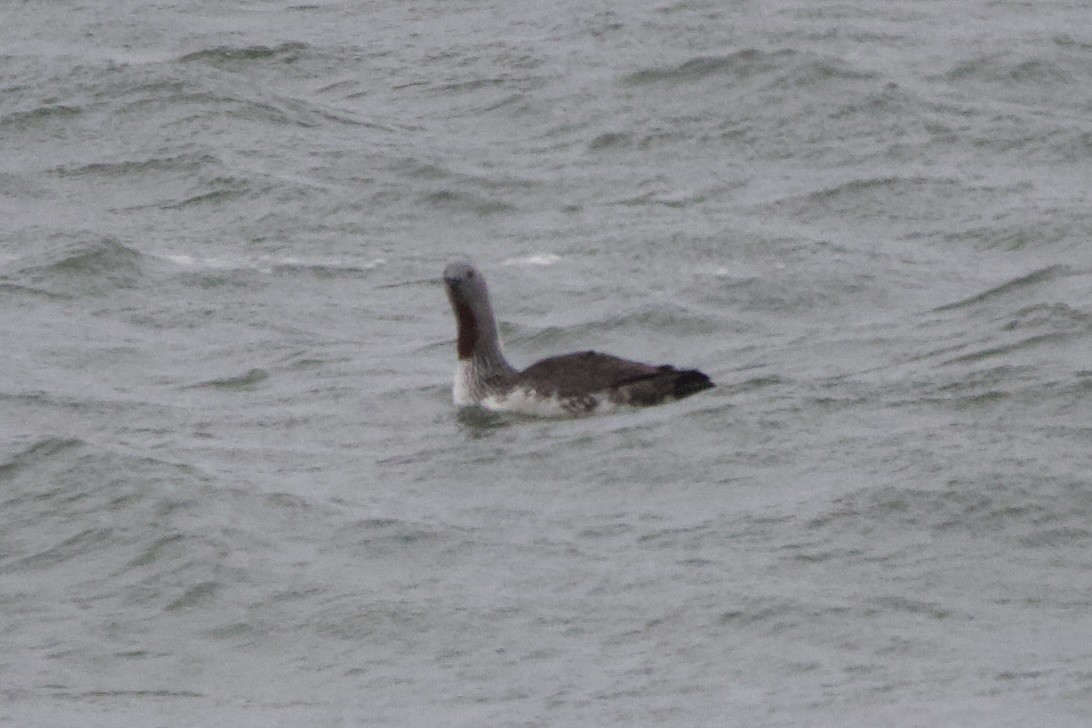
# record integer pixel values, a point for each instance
(629, 382)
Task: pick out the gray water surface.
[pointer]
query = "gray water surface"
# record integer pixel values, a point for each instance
(234, 490)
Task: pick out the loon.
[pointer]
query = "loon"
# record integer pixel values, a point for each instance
(569, 385)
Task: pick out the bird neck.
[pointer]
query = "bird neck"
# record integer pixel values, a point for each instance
(478, 341)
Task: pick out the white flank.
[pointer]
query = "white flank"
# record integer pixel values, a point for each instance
(529, 402)
(525, 401)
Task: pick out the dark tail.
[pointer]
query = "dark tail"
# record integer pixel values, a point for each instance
(691, 381)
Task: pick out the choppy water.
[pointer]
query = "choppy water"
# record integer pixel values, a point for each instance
(233, 490)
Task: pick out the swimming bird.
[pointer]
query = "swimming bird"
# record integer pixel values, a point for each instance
(570, 385)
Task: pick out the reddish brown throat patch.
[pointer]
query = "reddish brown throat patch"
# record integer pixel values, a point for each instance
(468, 330)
